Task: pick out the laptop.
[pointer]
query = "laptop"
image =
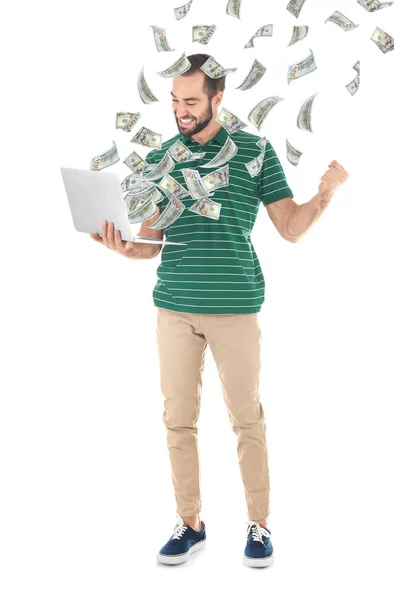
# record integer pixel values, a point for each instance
(95, 196)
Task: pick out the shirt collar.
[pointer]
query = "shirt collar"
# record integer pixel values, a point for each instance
(220, 138)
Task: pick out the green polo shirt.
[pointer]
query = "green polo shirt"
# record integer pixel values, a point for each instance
(218, 272)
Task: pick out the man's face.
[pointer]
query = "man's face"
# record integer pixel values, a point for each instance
(192, 109)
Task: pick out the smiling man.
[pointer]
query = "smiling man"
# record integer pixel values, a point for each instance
(209, 293)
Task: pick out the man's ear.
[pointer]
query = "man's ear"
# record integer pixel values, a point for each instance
(218, 98)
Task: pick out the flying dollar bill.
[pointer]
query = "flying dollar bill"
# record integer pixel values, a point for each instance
(294, 7)
(161, 41)
(146, 137)
(170, 186)
(217, 179)
(234, 8)
(354, 85)
(293, 155)
(214, 70)
(146, 94)
(307, 65)
(166, 165)
(372, 5)
(262, 144)
(304, 121)
(203, 33)
(343, 22)
(299, 33)
(254, 76)
(229, 150)
(135, 183)
(135, 163)
(170, 214)
(182, 11)
(181, 153)
(383, 40)
(230, 122)
(254, 166)
(108, 158)
(126, 121)
(266, 31)
(194, 183)
(207, 208)
(140, 206)
(179, 67)
(260, 112)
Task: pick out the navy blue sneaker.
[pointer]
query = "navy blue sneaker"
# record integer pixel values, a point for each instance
(259, 551)
(184, 541)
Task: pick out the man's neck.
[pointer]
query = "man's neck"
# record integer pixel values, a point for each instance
(208, 133)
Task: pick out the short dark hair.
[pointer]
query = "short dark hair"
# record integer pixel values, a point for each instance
(212, 86)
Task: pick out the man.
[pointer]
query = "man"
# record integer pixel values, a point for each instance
(210, 292)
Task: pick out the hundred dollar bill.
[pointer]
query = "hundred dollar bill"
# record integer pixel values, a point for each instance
(170, 214)
(230, 122)
(262, 143)
(214, 70)
(203, 33)
(165, 166)
(295, 6)
(182, 11)
(229, 150)
(126, 121)
(217, 179)
(256, 73)
(207, 208)
(383, 40)
(135, 162)
(354, 85)
(343, 22)
(194, 183)
(260, 112)
(146, 95)
(146, 137)
(181, 153)
(233, 8)
(356, 66)
(134, 201)
(307, 65)
(265, 31)
(372, 5)
(142, 213)
(299, 33)
(304, 116)
(293, 155)
(108, 158)
(161, 41)
(179, 67)
(254, 166)
(171, 187)
(135, 183)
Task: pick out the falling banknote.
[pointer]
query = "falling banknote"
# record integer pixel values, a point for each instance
(307, 65)
(214, 70)
(254, 166)
(354, 85)
(161, 41)
(343, 22)
(234, 8)
(135, 162)
(108, 158)
(294, 7)
(181, 153)
(170, 214)
(293, 155)
(172, 188)
(230, 122)
(182, 11)
(229, 150)
(299, 33)
(146, 95)
(146, 137)
(140, 206)
(266, 31)
(383, 40)
(194, 184)
(372, 5)
(203, 33)
(179, 67)
(126, 121)
(207, 208)
(166, 165)
(260, 112)
(254, 76)
(217, 179)
(304, 121)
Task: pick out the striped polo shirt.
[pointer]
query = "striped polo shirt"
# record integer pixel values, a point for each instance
(218, 272)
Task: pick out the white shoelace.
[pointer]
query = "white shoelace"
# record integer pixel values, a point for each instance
(257, 531)
(179, 529)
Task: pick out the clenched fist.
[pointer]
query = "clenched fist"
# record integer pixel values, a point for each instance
(335, 176)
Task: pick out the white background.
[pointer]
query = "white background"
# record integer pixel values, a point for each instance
(87, 498)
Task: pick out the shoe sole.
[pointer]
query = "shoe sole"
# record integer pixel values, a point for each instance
(175, 559)
(258, 562)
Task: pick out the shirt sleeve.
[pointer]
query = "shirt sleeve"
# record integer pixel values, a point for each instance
(272, 181)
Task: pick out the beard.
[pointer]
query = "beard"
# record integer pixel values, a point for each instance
(201, 123)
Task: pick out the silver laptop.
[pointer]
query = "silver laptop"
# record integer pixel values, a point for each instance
(94, 197)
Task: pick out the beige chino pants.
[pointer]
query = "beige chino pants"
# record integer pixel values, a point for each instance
(235, 343)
